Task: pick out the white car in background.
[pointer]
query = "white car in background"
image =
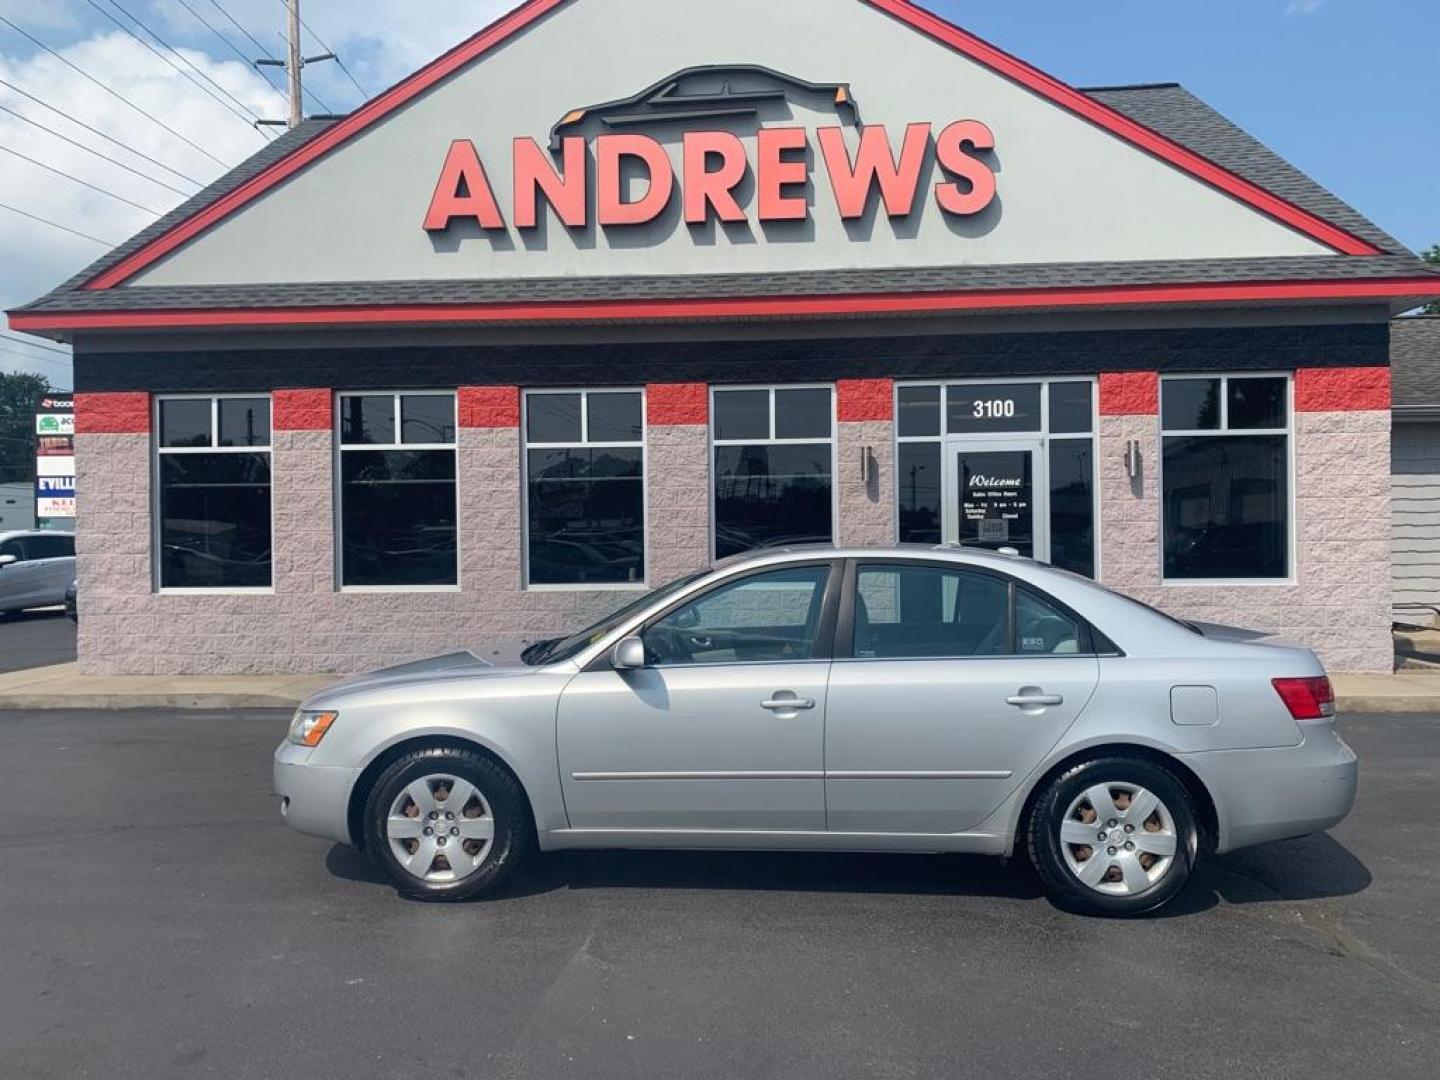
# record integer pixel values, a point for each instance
(36, 568)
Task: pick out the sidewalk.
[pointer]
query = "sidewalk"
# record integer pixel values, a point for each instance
(63, 687)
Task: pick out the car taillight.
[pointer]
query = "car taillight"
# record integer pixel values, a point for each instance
(1307, 699)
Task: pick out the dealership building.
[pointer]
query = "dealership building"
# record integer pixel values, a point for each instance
(614, 289)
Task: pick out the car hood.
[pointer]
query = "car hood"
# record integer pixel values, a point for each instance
(457, 665)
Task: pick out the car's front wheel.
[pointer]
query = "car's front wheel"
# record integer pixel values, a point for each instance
(1114, 836)
(446, 824)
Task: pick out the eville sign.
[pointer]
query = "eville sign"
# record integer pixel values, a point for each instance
(714, 165)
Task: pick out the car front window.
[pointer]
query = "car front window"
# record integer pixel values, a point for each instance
(565, 648)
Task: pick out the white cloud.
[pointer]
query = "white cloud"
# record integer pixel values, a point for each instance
(381, 41)
(1303, 7)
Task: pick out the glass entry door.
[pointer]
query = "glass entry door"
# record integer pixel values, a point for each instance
(998, 492)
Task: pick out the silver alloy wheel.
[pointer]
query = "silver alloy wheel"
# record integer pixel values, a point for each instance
(1118, 838)
(440, 828)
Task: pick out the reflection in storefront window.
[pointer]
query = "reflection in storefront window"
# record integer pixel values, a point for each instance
(585, 487)
(920, 493)
(214, 493)
(1072, 505)
(1226, 486)
(773, 468)
(398, 506)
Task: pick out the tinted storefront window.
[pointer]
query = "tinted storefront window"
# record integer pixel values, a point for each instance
(920, 493)
(1226, 489)
(773, 468)
(585, 488)
(1072, 505)
(397, 499)
(213, 473)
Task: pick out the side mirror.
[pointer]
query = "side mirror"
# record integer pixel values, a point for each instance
(8, 560)
(628, 654)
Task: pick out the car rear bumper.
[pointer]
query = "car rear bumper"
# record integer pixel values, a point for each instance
(314, 799)
(1273, 794)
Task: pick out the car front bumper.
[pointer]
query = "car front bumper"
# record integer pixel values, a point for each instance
(1274, 794)
(314, 799)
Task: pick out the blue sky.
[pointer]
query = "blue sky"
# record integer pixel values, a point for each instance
(1345, 89)
(1349, 90)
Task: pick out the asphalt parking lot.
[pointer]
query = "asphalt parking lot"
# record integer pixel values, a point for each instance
(157, 920)
(36, 639)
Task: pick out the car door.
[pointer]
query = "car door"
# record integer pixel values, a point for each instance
(20, 585)
(54, 559)
(723, 729)
(950, 684)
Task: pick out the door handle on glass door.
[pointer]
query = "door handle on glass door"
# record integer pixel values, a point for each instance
(1034, 700)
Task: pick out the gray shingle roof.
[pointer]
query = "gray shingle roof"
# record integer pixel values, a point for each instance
(1167, 108)
(1415, 362)
(1182, 117)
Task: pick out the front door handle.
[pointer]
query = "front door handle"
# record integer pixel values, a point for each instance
(788, 704)
(1034, 701)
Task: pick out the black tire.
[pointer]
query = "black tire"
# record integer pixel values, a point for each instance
(513, 828)
(1047, 850)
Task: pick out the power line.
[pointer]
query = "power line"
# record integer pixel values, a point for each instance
(76, 179)
(97, 153)
(238, 113)
(227, 42)
(113, 93)
(264, 52)
(34, 344)
(96, 131)
(326, 48)
(31, 359)
(56, 225)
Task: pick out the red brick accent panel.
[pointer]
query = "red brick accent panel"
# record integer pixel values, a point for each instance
(673, 404)
(1356, 389)
(489, 406)
(112, 414)
(302, 410)
(862, 400)
(1130, 393)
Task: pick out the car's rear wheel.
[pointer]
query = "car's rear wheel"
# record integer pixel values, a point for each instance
(446, 824)
(1114, 836)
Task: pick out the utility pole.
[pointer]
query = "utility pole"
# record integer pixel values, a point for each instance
(294, 65)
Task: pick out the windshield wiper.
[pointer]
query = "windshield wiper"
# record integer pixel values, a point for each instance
(536, 654)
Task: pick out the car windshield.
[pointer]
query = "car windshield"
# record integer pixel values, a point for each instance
(557, 650)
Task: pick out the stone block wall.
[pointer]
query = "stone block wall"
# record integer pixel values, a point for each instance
(303, 624)
(1339, 599)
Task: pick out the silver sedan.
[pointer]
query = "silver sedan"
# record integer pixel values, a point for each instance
(907, 699)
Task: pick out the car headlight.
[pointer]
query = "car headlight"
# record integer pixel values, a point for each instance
(309, 727)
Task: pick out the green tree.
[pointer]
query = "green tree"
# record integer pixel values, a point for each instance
(1432, 256)
(18, 393)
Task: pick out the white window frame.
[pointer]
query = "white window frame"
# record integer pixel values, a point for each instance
(526, 446)
(833, 439)
(946, 441)
(1224, 430)
(156, 531)
(338, 486)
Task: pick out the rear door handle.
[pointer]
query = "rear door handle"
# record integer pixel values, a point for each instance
(1034, 701)
(792, 704)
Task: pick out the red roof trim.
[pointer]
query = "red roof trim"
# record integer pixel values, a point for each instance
(1116, 123)
(739, 307)
(932, 25)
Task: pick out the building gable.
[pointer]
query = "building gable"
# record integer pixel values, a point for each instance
(853, 142)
